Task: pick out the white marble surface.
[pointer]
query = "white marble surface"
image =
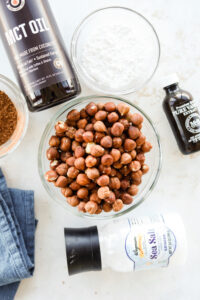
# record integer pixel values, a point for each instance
(177, 23)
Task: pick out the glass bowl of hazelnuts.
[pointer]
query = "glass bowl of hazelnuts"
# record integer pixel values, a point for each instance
(99, 156)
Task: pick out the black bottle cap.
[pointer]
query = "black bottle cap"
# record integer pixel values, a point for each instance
(82, 249)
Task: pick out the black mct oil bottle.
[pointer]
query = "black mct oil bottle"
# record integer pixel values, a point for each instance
(37, 53)
(183, 115)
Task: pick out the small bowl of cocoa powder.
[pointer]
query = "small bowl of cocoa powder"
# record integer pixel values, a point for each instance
(13, 116)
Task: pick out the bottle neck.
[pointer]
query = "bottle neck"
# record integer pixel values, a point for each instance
(173, 88)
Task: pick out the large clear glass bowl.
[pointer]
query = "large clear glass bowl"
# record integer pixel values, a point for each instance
(145, 60)
(153, 158)
(11, 89)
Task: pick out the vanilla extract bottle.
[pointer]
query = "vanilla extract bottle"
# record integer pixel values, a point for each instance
(183, 115)
(37, 53)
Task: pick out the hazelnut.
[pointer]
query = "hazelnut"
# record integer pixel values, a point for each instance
(61, 182)
(70, 161)
(110, 106)
(61, 127)
(52, 153)
(64, 156)
(73, 115)
(141, 140)
(115, 183)
(133, 132)
(133, 154)
(82, 123)
(125, 170)
(101, 115)
(70, 132)
(107, 160)
(136, 177)
(79, 151)
(73, 201)
(89, 127)
(127, 198)
(92, 173)
(54, 164)
(123, 108)
(88, 136)
(82, 193)
(117, 205)
(89, 147)
(51, 176)
(113, 172)
(99, 210)
(107, 207)
(94, 197)
(117, 142)
(65, 144)
(80, 163)
(62, 169)
(125, 184)
(83, 113)
(75, 144)
(100, 126)
(117, 194)
(54, 141)
(129, 145)
(74, 186)
(98, 136)
(103, 192)
(81, 206)
(91, 185)
(106, 142)
(91, 207)
(117, 129)
(67, 192)
(116, 154)
(72, 172)
(125, 123)
(145, 169)
(97, 150)
(135, 166)
(103, 180)
(146, 147)
(105, 169)
(141, 158)
(100, 105)
(133, 190)
(111, 198)
(113, 117)
(137, 119)
(71, 123)
(90, 161)
(82, 179)
(126, 159)
(79, 135)
(117, 165)
(91, 109)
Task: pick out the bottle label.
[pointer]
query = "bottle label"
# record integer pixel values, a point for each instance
(150, 243)
(188, 116)
(33, 44)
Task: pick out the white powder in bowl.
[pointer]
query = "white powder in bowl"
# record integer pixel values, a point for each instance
(119, 56)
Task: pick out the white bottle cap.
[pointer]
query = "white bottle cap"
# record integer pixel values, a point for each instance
(169, 80)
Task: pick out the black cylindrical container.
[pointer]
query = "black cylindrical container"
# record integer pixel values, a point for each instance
(37, 53)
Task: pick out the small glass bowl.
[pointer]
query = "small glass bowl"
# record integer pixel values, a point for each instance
(147, 58)
(15, 95)
(153, 158)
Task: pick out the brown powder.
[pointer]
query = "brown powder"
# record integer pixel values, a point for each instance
(8, 118)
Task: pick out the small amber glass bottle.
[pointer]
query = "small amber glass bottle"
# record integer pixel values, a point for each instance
(183, 115)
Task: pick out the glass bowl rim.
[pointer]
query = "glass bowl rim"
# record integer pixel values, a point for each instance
(48, 127)
(15, 88)
(73, 51)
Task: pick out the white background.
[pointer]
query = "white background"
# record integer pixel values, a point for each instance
(177, 23)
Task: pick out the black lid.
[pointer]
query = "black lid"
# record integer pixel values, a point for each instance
(82, 249)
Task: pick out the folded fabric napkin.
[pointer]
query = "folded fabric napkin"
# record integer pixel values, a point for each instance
(17, 232)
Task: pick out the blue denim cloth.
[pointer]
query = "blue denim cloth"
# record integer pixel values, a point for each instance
(17, 231)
